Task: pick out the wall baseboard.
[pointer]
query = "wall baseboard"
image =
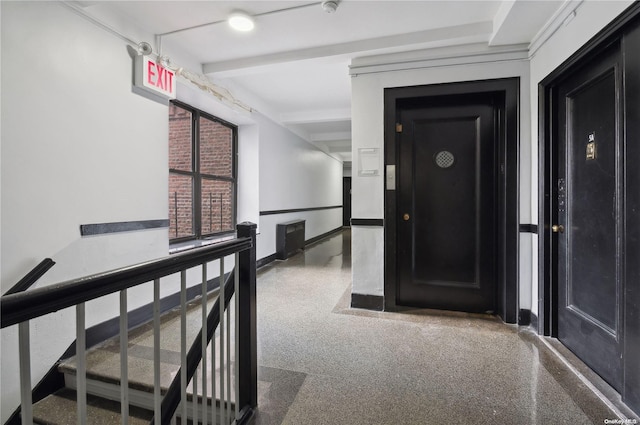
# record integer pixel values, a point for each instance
(524, 317)
(266, 260)
(534, 322)
(322, 236)
(527, 318)
(367, 302)
(271, 258)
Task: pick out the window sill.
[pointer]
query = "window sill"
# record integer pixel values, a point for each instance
(185, 246)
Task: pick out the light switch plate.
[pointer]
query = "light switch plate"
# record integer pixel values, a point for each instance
(391, 177)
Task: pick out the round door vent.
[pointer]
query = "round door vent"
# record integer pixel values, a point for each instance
(444, 159)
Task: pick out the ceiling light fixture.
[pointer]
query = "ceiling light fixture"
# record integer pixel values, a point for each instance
(144, 48)
(240, 21)
(329, 6)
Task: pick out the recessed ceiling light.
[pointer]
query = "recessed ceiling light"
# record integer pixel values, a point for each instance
(241, 21)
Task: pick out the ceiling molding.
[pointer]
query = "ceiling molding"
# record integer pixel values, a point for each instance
(431, 58)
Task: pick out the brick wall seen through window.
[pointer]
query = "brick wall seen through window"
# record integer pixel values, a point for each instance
(202, 177)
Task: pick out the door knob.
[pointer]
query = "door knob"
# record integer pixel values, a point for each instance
(405, 217)
(557, 228)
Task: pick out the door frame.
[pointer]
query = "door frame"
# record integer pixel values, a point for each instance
(507, 188)
(547, 193)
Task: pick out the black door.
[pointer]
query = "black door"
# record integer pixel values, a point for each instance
(346, 201)
(446, 224)
(589, 228)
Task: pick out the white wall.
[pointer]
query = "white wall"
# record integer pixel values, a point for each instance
(295, 174)
(248, 174)
(78, 147)
(367, 132)
(590, 18)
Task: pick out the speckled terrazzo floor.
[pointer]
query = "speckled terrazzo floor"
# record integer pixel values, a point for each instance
(322, 362)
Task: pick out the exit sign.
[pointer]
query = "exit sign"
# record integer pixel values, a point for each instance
(153, 77)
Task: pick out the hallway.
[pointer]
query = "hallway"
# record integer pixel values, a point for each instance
(321, 362)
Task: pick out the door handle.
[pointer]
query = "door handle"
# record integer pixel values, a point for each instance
(406, 217)
(557, 228)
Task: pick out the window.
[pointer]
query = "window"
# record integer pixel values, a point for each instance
(202, 174)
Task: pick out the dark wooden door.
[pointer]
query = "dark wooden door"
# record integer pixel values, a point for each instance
(446, 237)
(589, 228)
(346, 201)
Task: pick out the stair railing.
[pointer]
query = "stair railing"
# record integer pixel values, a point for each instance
(32, 277)
(20, 308)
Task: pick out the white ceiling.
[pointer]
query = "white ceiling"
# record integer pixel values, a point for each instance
(297, 58)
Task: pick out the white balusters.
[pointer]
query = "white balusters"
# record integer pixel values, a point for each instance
(183, 342)
(223, 411)
(194, 400)
(236, 284)
(124, 358)
(24, 352)
(157, 398)
(81, 364)
(204, 343)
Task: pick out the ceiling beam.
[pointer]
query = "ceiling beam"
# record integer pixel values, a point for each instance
(479, 31)
(317, 116)
(340, 149)
(518, 22)
(327, 138)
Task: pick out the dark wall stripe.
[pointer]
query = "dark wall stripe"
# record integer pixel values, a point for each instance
(123, 226)
(529, 228)
(274, 212)
(367, 222)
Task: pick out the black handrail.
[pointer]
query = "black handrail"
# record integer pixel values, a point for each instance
(32, 277)
(23, 306)
(171, 399)
(19, 307)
